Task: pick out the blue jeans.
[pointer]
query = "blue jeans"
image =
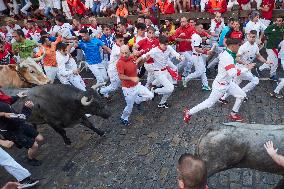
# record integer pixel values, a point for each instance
(96, 8)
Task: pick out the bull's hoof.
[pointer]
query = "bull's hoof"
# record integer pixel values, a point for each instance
(67, 141)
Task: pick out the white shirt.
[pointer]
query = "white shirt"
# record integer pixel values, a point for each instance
(64, 30)
(161, 58)
(114, 55)
(196, 41)
(258, 26)
(65, 66)
(227, 70)
(216, 29)
(248, 52)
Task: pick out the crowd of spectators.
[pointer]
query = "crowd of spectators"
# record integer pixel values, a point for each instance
(46, 9)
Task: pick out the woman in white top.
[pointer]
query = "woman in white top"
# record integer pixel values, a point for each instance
(68, 73)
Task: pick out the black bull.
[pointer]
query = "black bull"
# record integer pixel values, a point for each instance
(62, 106)
(240, 145)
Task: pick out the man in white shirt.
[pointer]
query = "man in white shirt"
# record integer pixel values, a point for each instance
(216, 26)
(62, 27)
(255, 24)
(223, 83)
(161, 56)
(198, 61)
(246, 55)
(68, 73)
(112, 70)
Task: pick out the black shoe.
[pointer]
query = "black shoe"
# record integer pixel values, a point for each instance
(34, 162)
(245, 99)
(273, 94)
(165, 105)
(124, 122)
(27, 183)
(223, 101)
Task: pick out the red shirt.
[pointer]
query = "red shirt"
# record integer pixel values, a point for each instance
(183, 46)
(145, 45)
(126, 66)
(268, 14)
(235, 34)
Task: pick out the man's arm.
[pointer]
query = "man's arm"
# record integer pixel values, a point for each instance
(261, 59)
(279, 159)
(6, 143)
(107, 49)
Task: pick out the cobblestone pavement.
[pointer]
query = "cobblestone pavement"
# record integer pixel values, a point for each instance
(144, 155)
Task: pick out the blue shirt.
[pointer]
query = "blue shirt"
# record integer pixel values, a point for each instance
(224, 32)
(92, 50)
(108, 41)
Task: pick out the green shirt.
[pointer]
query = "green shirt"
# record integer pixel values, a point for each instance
(25, 48)
(274, 36)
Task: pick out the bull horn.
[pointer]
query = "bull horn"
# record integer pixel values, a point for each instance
(41, 57)
(85, 102)
(98, 85)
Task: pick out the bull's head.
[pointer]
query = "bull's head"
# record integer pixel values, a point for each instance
(32, 72)
(94, 104)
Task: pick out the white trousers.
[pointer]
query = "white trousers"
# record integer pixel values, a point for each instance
(66, 9)
(186, 65)
(15, 6)
(75, 80)
(248, 76)
(12, 166)
(114, 80)
(200, 70)
(150, 74)
(272, 57)
(164, 79)
(136, 94)
(51, 72)
(99, 71)
(217, 92)
(215, 59)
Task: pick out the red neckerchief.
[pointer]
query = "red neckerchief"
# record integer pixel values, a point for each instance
(218, 23)
(117, 44)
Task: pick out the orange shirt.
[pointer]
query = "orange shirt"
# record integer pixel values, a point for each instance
(50, 53)
(122, 12)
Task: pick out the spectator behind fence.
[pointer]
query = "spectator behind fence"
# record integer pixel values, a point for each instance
(192, 173)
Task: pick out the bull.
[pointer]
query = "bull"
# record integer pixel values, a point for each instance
(240, 145)
(25, 74)
(61, 106)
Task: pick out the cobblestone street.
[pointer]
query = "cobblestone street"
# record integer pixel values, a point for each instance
(144, 155)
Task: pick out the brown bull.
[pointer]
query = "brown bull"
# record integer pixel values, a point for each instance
(25, 74)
